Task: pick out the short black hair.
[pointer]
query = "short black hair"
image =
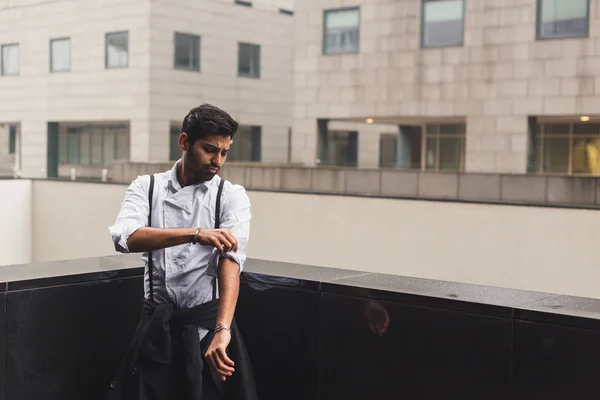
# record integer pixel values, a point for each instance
(208, 120)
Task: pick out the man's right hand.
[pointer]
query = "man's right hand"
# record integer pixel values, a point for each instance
(222, 239)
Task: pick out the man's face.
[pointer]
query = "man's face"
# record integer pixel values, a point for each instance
(203, 159)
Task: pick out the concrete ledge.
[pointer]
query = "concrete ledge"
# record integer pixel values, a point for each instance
(523, 188)
(571, 190)
(488, 188)
(400, 183)
(362, 182)
(438, 185)
(479, 187)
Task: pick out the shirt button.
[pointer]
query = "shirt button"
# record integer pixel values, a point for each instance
(113, 384)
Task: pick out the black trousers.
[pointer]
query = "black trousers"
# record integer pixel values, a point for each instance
(178, 384)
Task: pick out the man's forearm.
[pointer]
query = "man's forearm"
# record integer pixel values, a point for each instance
(149, 239)
(229, 288)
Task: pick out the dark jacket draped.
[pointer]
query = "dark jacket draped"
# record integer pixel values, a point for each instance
(166, 358)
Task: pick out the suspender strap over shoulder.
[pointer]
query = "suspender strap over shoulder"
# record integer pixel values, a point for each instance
(150, 262)
(217, 226)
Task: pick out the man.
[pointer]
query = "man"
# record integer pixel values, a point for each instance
(193, 229)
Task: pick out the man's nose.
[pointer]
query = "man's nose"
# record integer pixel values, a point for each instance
(217, 160)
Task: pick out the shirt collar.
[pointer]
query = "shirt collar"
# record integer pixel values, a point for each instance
(174, 182)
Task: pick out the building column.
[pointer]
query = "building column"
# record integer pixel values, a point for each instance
(159, 146)
(34, 149)
(496, 144)
(404, 147)
(139, 140)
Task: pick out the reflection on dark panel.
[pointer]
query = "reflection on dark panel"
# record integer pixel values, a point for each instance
(64, 342)
(555, 363)
(378, 350)
(2, 345)
(279, 327)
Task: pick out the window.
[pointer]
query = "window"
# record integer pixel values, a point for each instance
(341, 31)
(117, 50)
(10, 59)
(249, 60)
(562, 18)
(444, 147)
(243, 3)
(387, 150)
(435, 147)
(60, 55)
(174, 151)
(442, 23)
(567, 148)
(246, 145)
(187, 52)
(94, 144)
(286, 12)
(338, 148)
(12, 139)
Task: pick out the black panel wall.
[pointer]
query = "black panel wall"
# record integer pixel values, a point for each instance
(63, 338)
(64, 342)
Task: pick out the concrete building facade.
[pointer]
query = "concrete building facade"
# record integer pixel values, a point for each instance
(88, 83)
(505, 86)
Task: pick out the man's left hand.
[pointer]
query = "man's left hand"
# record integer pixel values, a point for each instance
(217, 355)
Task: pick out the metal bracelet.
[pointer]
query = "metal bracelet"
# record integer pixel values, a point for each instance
(195, 240)
(221, 327)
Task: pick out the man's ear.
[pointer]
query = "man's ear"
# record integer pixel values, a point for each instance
(183, 141)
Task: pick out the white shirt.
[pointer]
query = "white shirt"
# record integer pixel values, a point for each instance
(183, 274)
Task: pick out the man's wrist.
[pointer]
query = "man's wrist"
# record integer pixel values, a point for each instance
(195, 234)
(222, 327)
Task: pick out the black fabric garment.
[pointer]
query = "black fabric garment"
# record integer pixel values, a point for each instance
(165, 360)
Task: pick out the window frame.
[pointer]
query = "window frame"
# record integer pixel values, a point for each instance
(177, 34)
(52, 54)
(538, 24)
(324, 31)
(462, 40)
(2, 72)
(540, 144)
(12, 139)
(110, 131)
(243, 3)
(438, 138)
(258, 63)
(106, 36)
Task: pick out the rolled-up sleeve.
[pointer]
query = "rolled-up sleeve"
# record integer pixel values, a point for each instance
(132, 216)
(236, 217)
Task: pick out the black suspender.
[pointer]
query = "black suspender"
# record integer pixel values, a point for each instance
(150, 262)
(217, 226)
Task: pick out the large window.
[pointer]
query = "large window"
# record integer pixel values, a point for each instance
(562, 18)
(12, 139)
(338, 148)
(436, 147)
(341, 31)
(9, 57)
(187, 52)
(442, 23)
(249, 60)
(246, 145)
(567, 148)
(174, 132)
(93, 144)
(60, 55)
(117, 50)
(387, 150)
